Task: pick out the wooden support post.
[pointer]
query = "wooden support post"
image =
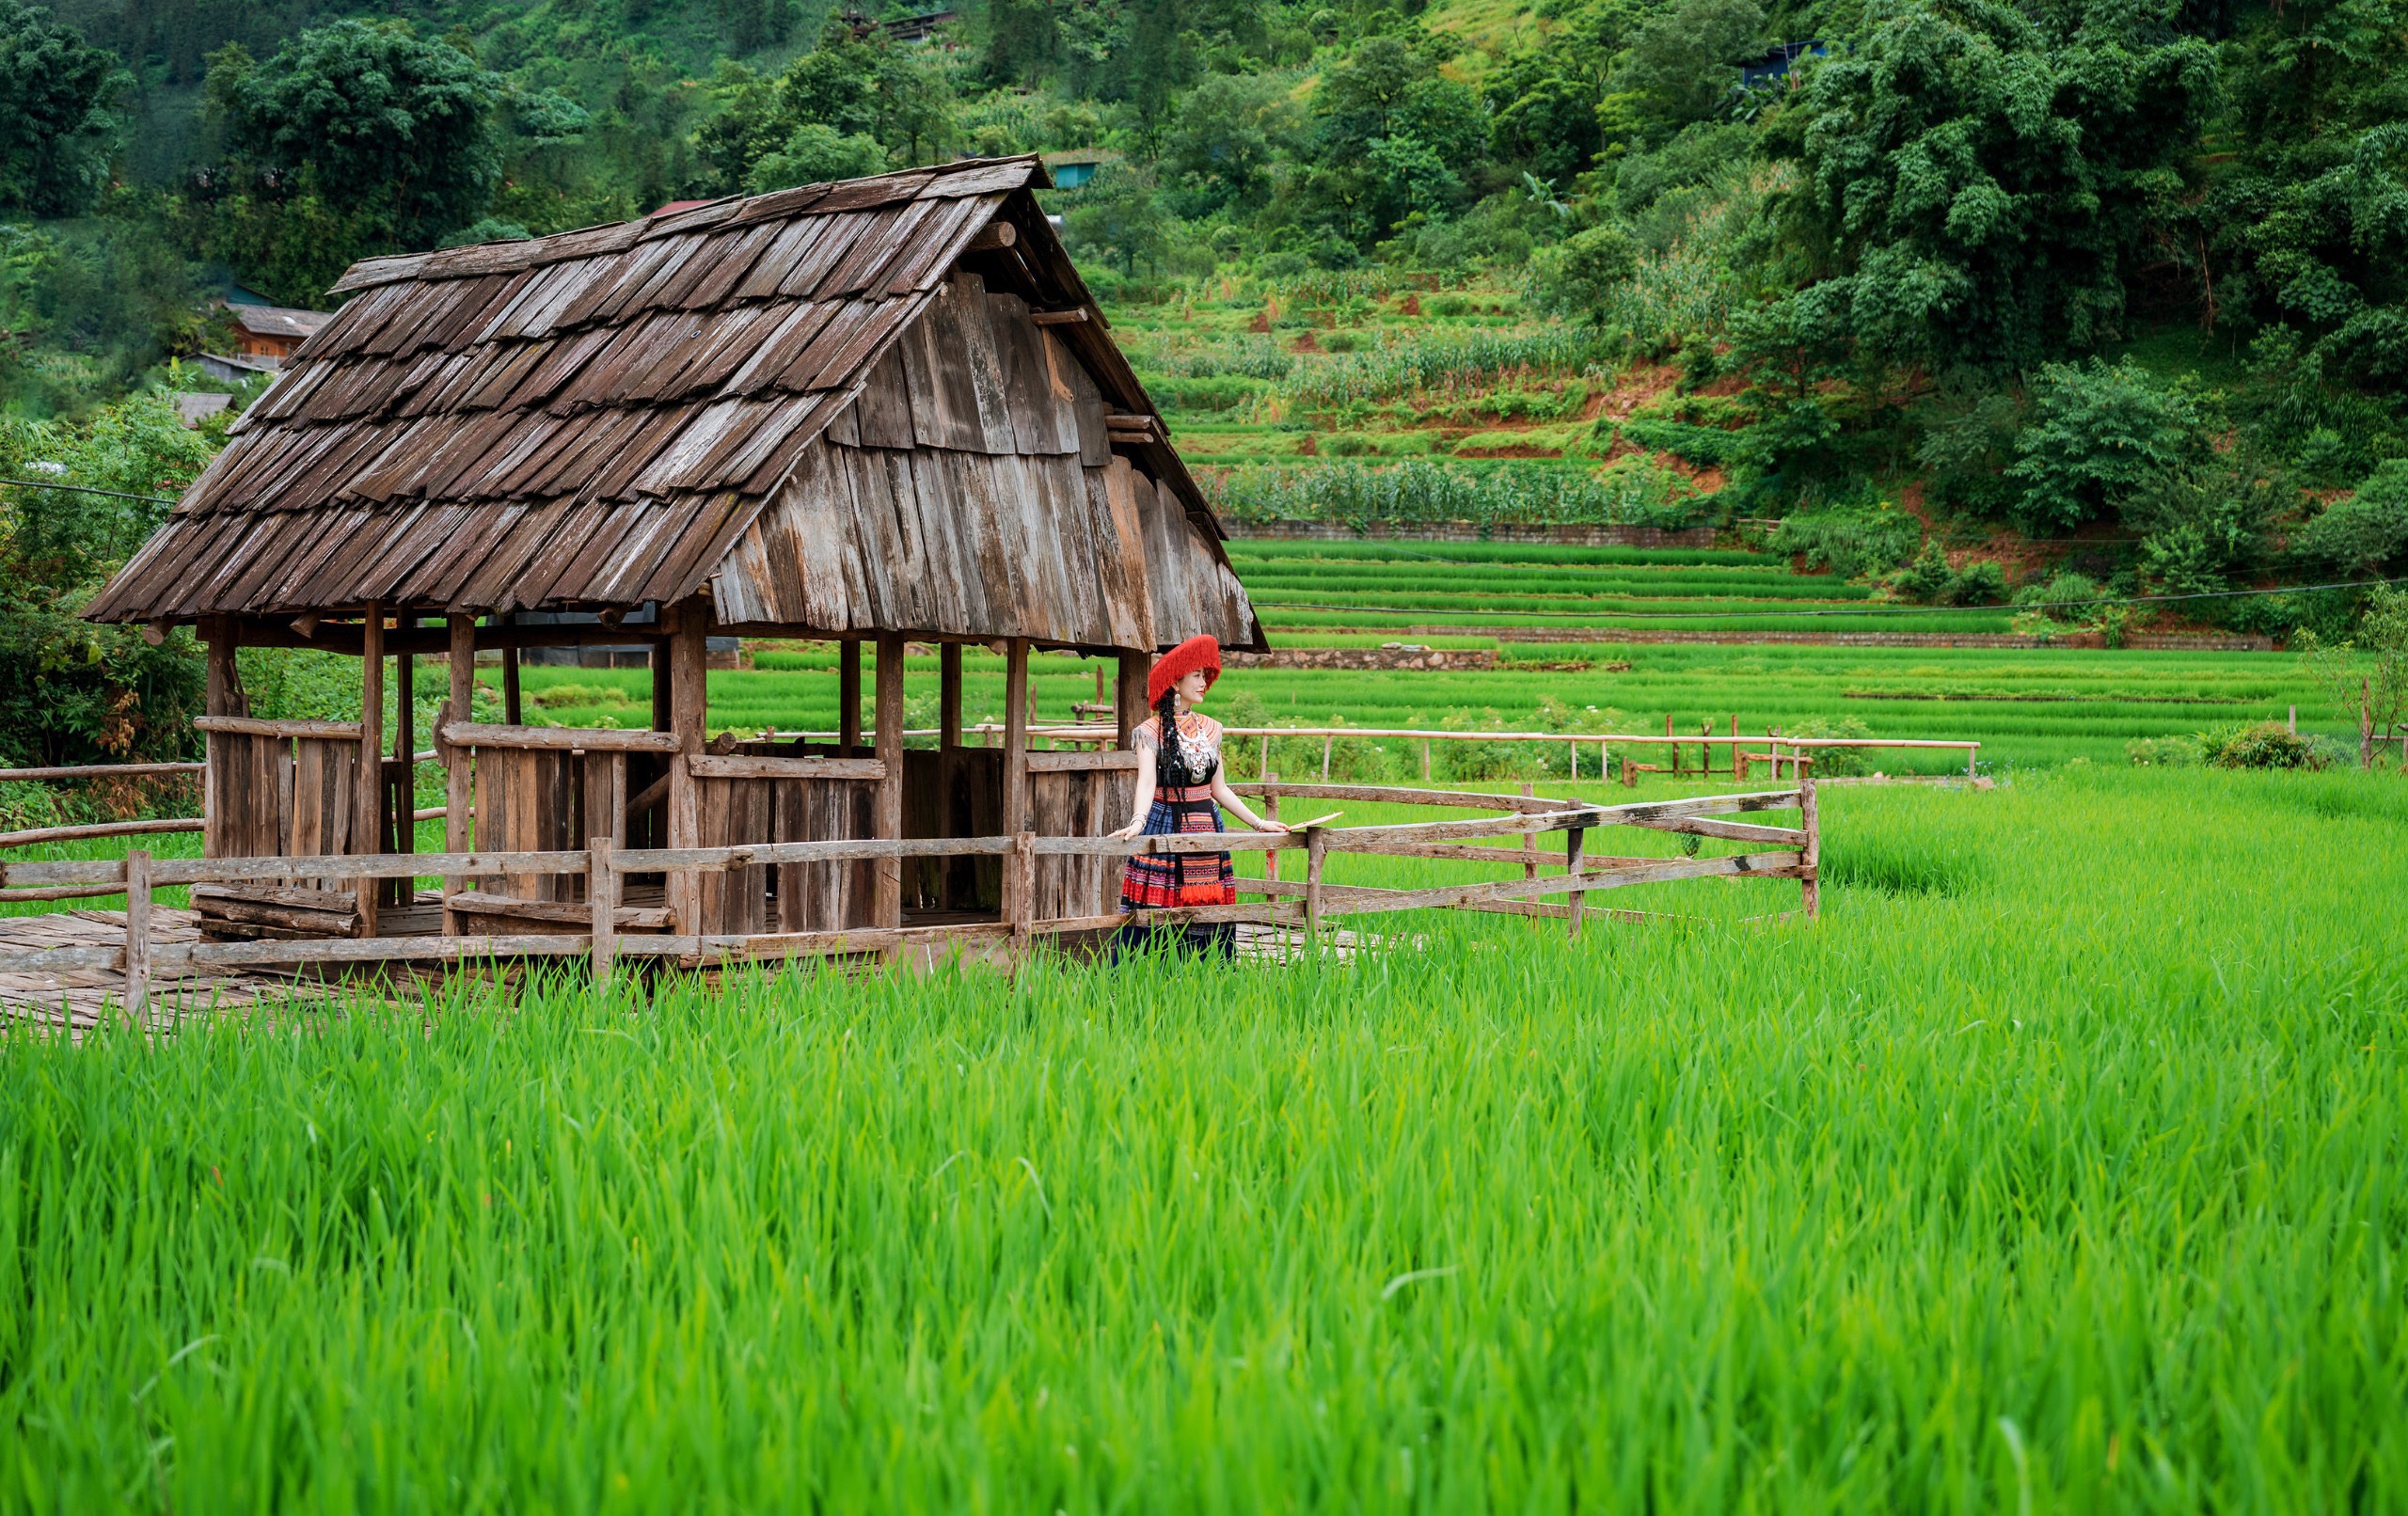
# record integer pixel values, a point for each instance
(664, 707)
(690, 663)
(602, 894)
(888, 809)
(459, 830)
(404, 821)
(1773, 747)
(1316, 853)
(1811, 820)
(1529, 841)
(948, 694)
(513, 708)
(1015, 818)
(1630, 773)
(1971, 754)
(1271, 813)
(1021, 896)
(1733, 765)
(1575, 844)
(1425, 760)
(1129, 698)
(1705, 750)
(137, 934)
(368, 800)
(1324, 758)
(848, 696)
(1576, 760)
(1676, 747)
(224, 699)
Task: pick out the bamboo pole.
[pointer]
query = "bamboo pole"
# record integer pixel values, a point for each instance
(602, 895)
(368, 798)
(137, 934)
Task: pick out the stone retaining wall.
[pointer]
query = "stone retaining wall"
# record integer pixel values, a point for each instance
(1470, 532)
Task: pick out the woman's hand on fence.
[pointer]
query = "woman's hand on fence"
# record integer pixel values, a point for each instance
(1130, 830)
(1266, 824)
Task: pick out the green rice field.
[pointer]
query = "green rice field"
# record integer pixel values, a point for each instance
(1301, 587)
(2060, 1166)
(2028, 707)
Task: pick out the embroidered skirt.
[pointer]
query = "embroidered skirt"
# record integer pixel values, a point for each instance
(1153, 882)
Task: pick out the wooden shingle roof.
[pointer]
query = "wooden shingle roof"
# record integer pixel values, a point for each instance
(600, 418)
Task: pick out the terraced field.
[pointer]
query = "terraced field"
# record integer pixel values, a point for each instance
(1308, 587)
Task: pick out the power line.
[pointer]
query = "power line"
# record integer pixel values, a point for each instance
(87, 489)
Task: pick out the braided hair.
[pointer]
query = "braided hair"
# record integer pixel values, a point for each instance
(1170, 761)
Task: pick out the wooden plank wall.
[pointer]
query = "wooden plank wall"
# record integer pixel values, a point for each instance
(971, 490)
(1079, 805)
(953, 792)
(274, 797)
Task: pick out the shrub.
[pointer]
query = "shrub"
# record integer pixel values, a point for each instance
(1851, 542)
(2164, 752)
(1832, 763)
(2098, 435)
(2061, 596)
(2362, 534)
(1630, 493)
(2260, 745)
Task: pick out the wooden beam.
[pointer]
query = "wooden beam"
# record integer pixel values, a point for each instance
(1059, 317)
(368, 813)
(888, 812)
(459, 834)
(949, 695)
(993, 238)
(689, 709)
(848, 694)
(1015, 817)
(512, 710)
(1129, 696)
(746, 766)
(663, 709)
(560, 739)
(253, 726)
(1081, 762)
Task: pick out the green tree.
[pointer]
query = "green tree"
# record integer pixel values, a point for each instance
(370, 118)
(1682, 64)
(2366, 532)
(2097, 439)
(54, 121)
(1975, 180)
(1230, 133)
(71, 692)
(1119, 219)
(815, 155)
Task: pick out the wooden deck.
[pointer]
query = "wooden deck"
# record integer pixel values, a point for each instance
(76, 1000)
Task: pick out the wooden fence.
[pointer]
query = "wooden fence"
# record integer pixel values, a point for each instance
(1789, 853)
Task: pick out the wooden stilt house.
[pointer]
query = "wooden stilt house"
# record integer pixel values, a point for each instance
(876, 411)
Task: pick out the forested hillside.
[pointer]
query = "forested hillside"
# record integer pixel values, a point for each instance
(1904, 287)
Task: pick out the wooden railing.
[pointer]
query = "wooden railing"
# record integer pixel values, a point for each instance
(1792, 853)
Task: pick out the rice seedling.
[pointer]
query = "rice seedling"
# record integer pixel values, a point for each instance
(2058, 1167)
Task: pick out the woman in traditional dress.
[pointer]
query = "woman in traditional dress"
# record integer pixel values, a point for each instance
(1179, 780)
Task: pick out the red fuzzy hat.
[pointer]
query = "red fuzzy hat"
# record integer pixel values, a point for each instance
(1193, 653)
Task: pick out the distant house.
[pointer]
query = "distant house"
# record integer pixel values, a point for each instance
(195, 406)
(227, 369)
(1074, 166)
(1775, 65)
(268, 335)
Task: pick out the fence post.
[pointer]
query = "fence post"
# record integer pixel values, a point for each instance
(1971, 754)
(1705, 748)
(1425, 760)
(137, 934)
(1529, 841)
(1270, 813)
(1324, 758)
(1316, 851)
(1576, 841)
(1810, 820)
(1023, 895)
(1263, 756)
(602, 894)
(1675, 746)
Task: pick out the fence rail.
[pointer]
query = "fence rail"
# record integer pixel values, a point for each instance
(1793, 853)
